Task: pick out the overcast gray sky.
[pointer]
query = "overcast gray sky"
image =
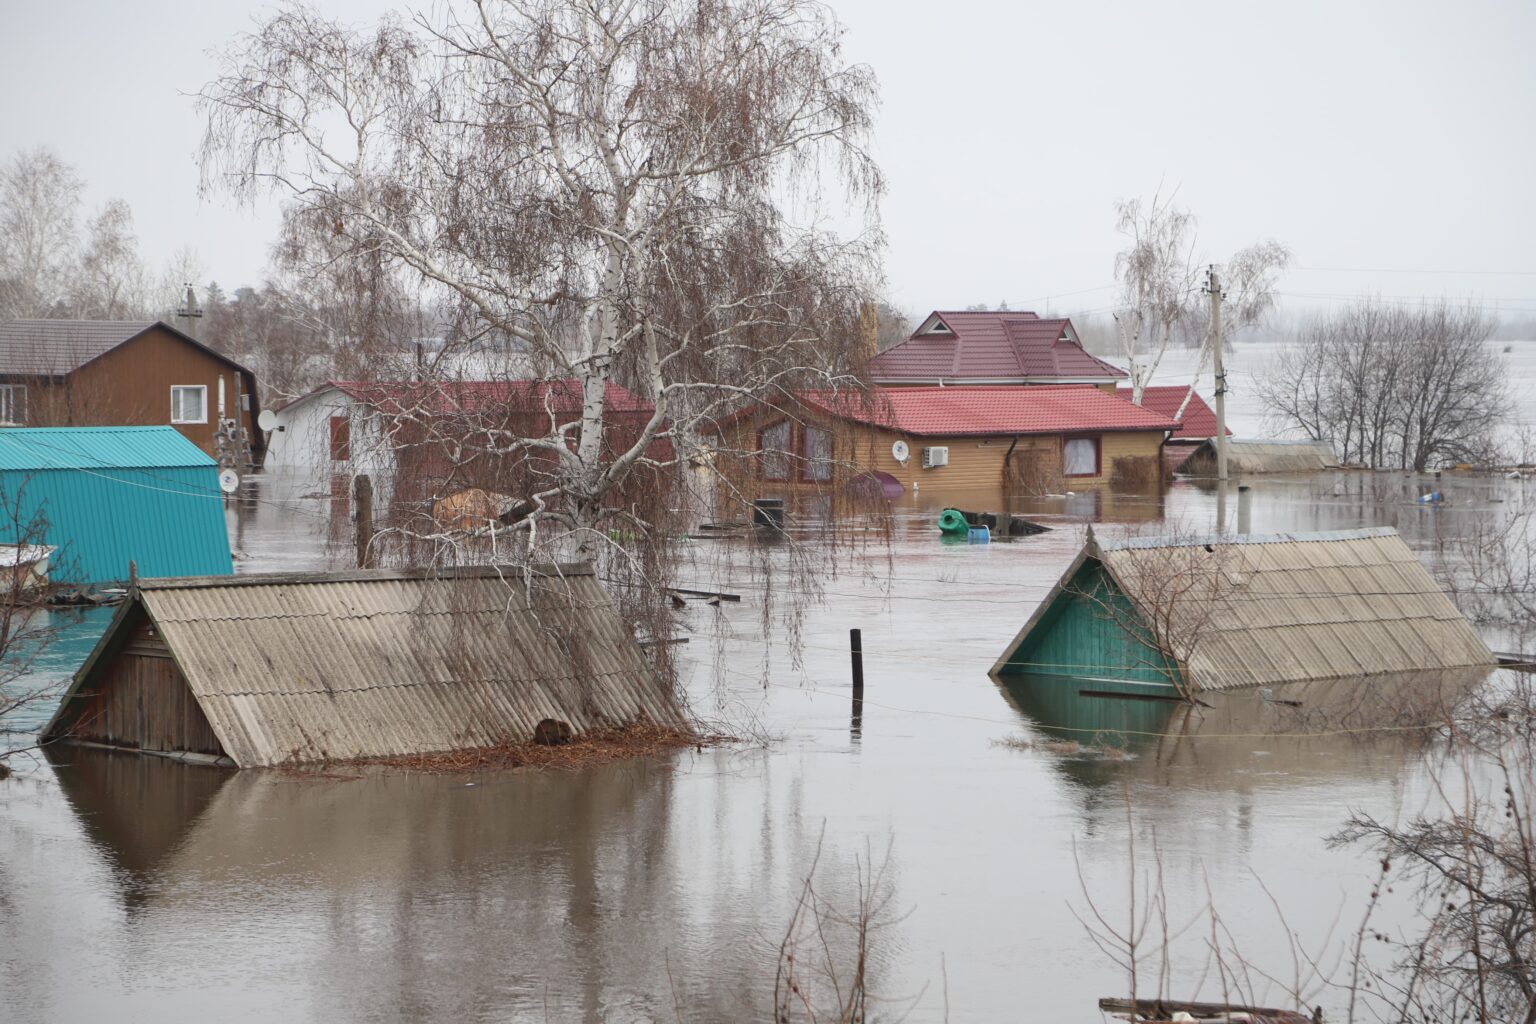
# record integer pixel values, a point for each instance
(1369, 136)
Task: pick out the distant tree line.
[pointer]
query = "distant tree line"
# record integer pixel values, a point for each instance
(1395, 386)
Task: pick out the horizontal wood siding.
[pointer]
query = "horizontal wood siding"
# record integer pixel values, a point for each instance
(131, 385)
(974, 461)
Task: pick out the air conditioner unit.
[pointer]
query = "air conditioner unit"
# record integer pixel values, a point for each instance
(934, 457)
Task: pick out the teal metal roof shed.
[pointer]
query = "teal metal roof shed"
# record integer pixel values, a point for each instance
(109, 495)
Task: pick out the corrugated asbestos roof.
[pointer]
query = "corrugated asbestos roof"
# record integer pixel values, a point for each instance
(1258, 610)
(1249, 455)
(990, 410)
(1001, 345)
(294, 668)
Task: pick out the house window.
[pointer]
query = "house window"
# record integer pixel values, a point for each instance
(341, 438)
(773, 445)
(189, 403)
(817, 449)
(1080, 456)
(13, 405)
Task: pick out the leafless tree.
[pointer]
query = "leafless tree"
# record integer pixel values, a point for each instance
(109, 284)
(603, 183)
(39, 198)
(1395, 386)
(26, 631)
(1160, 299)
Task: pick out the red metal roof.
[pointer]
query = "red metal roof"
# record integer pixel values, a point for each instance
(997, 346)
(563, 397)
(1199, 419)
(990, 409)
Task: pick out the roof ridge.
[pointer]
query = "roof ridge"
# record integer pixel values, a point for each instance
(1225, 539)
(448, 574)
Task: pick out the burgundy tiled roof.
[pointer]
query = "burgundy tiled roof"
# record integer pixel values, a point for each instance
(991, 410)
(1199, 419)
(560, 396)
(1000, 345)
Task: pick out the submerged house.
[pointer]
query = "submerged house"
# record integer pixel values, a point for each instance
(421, 442)
(1225, 612)
(101, 497)
(942, 437)
(87, 373)
(953, 347)
(1248, 456)
(1197, 420)
(263, 670)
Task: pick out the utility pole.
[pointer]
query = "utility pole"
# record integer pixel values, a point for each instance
(1213, 289)
(190, 312)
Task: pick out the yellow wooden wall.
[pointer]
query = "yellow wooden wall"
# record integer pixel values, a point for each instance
(974, 462)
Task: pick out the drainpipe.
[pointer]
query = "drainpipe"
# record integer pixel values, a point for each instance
(1244, 508)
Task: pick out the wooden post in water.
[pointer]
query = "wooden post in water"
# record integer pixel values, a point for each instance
(856, 651)
(362, 496)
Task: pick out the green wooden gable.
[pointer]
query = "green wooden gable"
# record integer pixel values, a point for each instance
(1088, 629)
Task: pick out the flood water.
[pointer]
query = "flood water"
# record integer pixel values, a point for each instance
(133, 889)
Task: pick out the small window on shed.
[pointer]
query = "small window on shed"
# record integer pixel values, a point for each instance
(774, 448)
(341, 438)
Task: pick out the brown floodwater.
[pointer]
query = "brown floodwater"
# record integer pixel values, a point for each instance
(132, 889)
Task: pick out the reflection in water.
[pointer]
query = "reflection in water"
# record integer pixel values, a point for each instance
(1307, 731)
(497, 896)
(139, 890)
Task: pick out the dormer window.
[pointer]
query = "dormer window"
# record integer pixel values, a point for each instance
(938, 328)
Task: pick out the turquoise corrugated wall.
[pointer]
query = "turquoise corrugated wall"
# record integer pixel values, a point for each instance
(168, 520)
(1080, 636)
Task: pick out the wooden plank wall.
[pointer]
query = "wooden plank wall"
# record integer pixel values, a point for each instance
(142, 701)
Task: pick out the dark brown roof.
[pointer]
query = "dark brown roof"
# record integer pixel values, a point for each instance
(52, 348)
(996, 347)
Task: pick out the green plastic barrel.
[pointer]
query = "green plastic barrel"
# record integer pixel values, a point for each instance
(952, 523)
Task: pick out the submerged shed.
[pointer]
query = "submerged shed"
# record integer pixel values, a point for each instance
(105, 496)
(1252, 455)
(1218, 613)
(293, 668)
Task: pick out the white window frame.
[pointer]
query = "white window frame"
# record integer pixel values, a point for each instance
(176, 406)
(8, 405)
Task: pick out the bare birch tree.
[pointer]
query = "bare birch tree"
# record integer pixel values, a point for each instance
(602, 182)
(1159, 277)
(109, 284)
(39, 197)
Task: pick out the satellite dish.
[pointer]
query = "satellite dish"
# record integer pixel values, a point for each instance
(900, 451)
(229, 481)
(267, 420)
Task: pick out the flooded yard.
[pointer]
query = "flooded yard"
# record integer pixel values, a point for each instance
(661, 890)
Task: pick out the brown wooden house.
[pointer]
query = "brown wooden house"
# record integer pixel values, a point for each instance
(1026, 439)
(84, 373)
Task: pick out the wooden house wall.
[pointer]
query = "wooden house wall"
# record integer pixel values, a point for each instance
(975, 462)
(1090, 631)
(131, 386)
(139, 699)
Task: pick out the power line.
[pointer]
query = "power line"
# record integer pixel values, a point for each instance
(1404, 270)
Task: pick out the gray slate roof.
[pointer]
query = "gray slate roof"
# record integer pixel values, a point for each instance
(56, 347)
(293, 668)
